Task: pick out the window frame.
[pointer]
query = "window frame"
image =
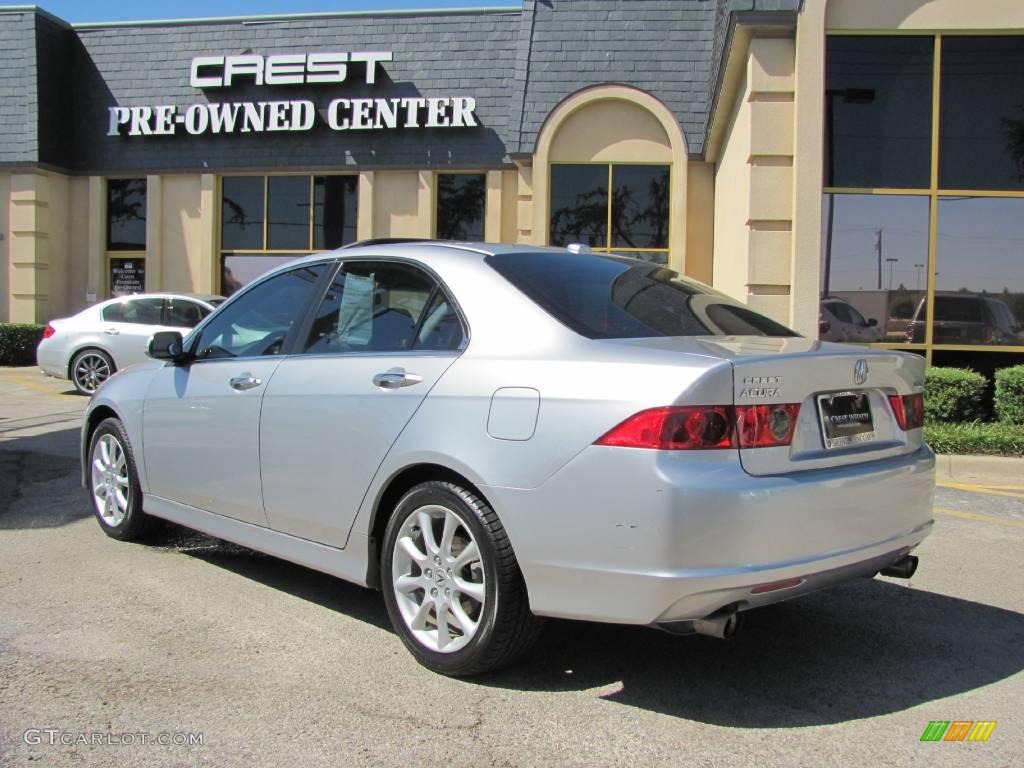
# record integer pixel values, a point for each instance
(933, 191)
(608, 247)
(222, 252)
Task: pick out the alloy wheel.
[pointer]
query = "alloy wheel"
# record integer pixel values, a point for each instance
(91, 370)
(438, 579)
(110, 488)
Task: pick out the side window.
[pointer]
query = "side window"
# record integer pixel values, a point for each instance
(138, 311)
(370, 307)
(182, 313)
(441, 328)
(257, 323)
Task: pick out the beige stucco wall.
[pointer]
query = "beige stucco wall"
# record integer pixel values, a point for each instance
(700, 221)
(77, 247)
(936, 15)
(181, 235)
(396, 211)
(732, 202)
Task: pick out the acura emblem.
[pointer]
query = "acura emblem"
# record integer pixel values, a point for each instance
(860, 371)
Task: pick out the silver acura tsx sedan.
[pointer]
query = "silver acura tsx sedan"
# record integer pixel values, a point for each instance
(493, 434)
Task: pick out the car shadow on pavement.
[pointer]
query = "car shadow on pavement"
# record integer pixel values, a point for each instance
(357, 602)
(40, 481)
(862, 649)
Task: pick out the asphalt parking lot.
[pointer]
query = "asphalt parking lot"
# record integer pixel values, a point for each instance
(272, 664)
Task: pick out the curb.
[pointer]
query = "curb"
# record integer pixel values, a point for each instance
(997, 470)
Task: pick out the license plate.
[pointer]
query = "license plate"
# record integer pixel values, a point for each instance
(846, 419)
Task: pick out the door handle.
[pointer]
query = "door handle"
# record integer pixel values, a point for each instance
(112, 332)
(244, 382)
(396, 378)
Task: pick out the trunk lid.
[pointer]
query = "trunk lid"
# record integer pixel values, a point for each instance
(845, 416)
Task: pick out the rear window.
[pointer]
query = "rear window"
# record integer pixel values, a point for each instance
(609, 297)
(956, 309)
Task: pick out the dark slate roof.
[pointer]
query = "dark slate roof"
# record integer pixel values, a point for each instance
(518, 64)
(18, 93)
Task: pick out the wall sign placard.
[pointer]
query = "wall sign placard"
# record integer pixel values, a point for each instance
(295, 115)
(127, 276)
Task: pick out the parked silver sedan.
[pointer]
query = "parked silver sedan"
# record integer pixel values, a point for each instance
(494, 434)
(91, 346)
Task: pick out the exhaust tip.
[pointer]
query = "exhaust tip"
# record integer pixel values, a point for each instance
(903, 568)
(723, 626)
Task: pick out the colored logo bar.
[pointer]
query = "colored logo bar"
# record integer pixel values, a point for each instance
(958, 730)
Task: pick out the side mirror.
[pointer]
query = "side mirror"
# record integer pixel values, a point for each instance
(872, 322)
(167, 345)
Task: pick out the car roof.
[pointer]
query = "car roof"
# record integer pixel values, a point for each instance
(204, 297)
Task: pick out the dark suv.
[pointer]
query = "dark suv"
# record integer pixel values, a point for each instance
(966, 318)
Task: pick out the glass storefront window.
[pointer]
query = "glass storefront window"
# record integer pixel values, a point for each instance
(241, 218)
(874, 267)
(251, 245)
(461, 205)
(288, 224)
(126, 214)
(637, 211)
(640, 206)
(981, 130)
(335, 203)
(878, 111)
(579, 205)
(979, 278)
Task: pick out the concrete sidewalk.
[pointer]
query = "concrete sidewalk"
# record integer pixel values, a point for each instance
(985, 470)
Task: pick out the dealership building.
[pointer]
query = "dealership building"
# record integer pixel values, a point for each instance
(852, 168)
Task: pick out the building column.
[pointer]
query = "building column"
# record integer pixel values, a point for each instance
(524, 209)
(96, 248)
(770, 97)
(29, 248)
(154, 233)
(493, 207)
(207, 280)
(426, 204)
(809, 116)
(364, 214)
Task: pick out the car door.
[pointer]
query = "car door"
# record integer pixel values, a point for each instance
(201, 420)
(127, 327)
(382, 336)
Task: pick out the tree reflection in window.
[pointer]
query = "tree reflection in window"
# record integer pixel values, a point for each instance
(638, 212)
(126, 215)
(461, 202)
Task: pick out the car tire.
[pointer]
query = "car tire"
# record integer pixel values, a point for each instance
(89, 369)
(113, 483)
(480, 594)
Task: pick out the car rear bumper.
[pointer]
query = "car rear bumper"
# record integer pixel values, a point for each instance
(51, 361)
(642, 537)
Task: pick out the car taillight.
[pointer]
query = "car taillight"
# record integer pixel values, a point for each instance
(705, 427)
(908, 410)
(824, 327)
(766, 426)
(675, 428)
(50, 331)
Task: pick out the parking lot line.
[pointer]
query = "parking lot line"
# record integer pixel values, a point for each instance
(978, 517)
(21, 381)
(993, 490)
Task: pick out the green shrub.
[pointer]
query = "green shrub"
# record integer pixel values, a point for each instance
(1009, 397)
(953, 394)
(995, 439)
(18, 342)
